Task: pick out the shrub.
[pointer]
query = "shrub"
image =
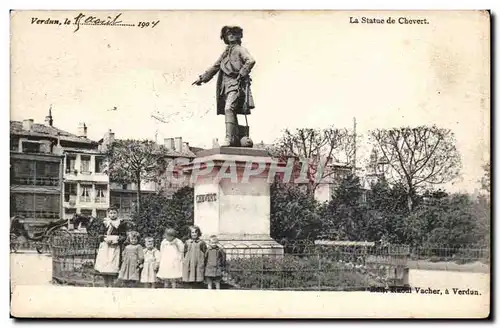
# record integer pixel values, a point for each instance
(159, 212)
(298, 272)
(294, 213)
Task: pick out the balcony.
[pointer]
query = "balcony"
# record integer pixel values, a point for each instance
(86, 176)
(35, 181)
(38, 214)
(70, 199)
(101, 200)
(71, 170)
(85, 199)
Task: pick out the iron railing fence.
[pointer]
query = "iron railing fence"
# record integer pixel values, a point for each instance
(292, 265)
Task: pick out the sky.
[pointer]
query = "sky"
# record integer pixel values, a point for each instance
(313, 69)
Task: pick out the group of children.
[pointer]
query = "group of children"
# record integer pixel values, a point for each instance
(193, 262)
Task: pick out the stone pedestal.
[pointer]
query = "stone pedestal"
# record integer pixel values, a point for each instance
(233, 205)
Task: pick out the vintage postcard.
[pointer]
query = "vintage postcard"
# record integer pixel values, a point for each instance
(250, 164)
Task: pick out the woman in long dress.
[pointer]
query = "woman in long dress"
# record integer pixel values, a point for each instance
(112, 235)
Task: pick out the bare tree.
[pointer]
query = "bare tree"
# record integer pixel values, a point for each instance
(418, 157)
(317, 148)
(134, 161)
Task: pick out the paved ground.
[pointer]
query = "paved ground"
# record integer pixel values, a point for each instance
(30, 268)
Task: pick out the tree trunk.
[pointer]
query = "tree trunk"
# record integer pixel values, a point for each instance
(138, 205)
(310, 188)
(410, 200)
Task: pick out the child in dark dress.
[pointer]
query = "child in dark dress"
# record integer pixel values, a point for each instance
(215, 263)
(133, 259)
(193, 264)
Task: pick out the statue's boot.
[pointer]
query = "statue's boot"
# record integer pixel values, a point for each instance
(230, 140)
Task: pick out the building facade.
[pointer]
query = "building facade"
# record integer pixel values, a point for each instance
(84, 187)
(35, 187)
(334, 173)
(69, 172)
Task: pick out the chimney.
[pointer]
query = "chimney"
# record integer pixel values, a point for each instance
(48, 119)
(82, 130)
(215, 143)
(27, 124)
(185, 146)
(178, 143)
(169, 143)
(108, 139)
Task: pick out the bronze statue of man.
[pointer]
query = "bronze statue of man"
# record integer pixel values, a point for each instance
(233, 85)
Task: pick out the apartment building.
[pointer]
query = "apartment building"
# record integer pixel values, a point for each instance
(84, 187)
(35, 186)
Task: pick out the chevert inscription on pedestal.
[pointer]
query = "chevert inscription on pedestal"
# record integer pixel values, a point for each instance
(206, 198)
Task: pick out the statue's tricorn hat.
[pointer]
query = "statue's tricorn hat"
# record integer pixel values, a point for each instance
(236, 30)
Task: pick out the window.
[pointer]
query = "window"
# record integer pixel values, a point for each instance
(363, 197)
(101, 193)
(31, 147)
(85, 193)
(85, 164)
(14, 144)
(70, 164)
(115, 200)
(40, 169)
(69, 213)
(101, 214)
(86, 212)
(124, 186)
(99, 165)
(70, 192)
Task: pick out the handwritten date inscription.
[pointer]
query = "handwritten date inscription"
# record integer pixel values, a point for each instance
(82, 19)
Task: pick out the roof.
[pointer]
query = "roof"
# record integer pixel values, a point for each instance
(196, 149)
(176, 154)
(262, 145)
(171, 152)
(81, 150)
(42, 130)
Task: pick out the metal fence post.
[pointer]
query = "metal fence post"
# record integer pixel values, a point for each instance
(319, 272)
(262, 272)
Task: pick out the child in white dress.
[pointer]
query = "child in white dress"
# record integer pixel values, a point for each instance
(151, 263)
(171, 251)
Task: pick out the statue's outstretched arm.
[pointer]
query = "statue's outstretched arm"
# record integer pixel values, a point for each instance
(210, 73)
